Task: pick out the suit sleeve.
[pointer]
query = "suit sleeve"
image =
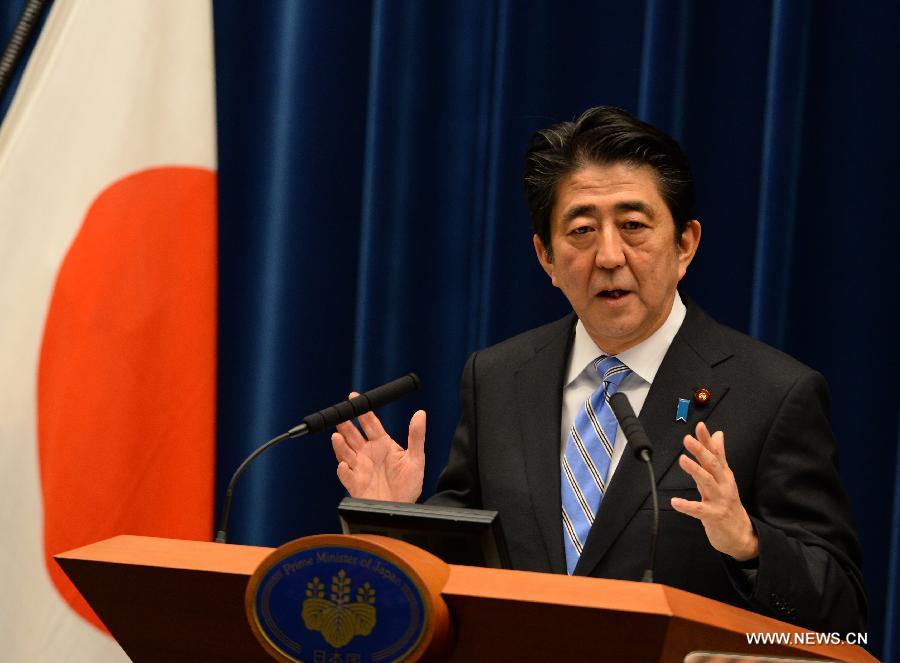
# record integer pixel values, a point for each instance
(459, 484)
(809, 554)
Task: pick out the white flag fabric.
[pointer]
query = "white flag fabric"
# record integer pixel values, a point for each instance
(107, 304)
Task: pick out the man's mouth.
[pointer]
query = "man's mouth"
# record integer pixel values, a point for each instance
(612, 294)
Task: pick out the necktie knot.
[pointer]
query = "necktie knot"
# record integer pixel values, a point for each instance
(611, 370)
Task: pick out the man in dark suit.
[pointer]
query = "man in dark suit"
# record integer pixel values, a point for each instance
(766, 526)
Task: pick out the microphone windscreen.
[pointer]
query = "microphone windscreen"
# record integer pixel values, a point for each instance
(365, 402)
(391, 391)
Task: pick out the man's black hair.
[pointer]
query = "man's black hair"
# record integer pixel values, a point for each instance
(604, 135)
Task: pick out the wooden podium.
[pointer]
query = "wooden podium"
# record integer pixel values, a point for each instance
(172, 600)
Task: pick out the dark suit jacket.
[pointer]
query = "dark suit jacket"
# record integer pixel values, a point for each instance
(774, 412)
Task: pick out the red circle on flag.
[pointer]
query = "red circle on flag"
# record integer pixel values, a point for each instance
(126, 382)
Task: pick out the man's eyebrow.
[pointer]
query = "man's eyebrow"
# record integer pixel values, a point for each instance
(634, 206)
(579, 210)
(624, 206)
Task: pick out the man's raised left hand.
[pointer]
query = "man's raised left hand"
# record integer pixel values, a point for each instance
(727, 525)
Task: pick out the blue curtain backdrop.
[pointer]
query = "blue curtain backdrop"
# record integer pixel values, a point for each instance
(372, 219)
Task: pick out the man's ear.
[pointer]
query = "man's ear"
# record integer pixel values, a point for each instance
(687, 246)
(544, 256)
(541, 252)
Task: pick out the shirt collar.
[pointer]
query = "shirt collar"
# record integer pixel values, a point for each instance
(644, 359)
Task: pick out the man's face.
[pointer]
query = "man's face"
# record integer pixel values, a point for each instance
(614, 254)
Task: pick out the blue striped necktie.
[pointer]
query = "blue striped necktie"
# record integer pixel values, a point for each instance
(585, 464)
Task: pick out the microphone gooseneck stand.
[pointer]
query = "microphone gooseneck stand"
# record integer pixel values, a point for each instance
(330, 416)
(643, 450)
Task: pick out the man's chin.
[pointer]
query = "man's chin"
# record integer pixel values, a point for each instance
(618, 326)
(614, 340)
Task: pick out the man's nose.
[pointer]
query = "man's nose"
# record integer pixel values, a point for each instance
(610, 253)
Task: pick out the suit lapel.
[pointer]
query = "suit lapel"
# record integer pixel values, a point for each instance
(688, 365)
(539, 385)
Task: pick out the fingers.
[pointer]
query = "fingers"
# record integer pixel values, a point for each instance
(707, 459)
(717, 445)
(415, 444)
(342, 451)
(687, 507)
(710, 469)
(715, 442)
(703, 440)
(351, 435)
(371, 425)
(709, 450)
(702, 432)
(706, 483)
(345, 474)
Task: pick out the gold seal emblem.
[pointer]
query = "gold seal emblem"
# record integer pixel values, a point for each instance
(339, 620)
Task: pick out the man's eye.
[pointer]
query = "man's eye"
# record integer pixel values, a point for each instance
(632, 225)
(581, 230)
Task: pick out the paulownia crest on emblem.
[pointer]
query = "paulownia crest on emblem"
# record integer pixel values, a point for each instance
(339, 619)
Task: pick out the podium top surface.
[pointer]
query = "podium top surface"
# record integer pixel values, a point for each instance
(473, 593)
(172, 553)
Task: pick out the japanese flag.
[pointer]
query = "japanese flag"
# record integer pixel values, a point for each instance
(107, 304)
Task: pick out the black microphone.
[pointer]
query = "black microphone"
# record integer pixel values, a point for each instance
(365, 402)
(643, 450)
(330, 416)
(631, 426)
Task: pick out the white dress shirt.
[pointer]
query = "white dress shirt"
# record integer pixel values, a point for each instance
(643, 359)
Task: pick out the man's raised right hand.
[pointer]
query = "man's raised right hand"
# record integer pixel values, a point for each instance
(373, 466)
